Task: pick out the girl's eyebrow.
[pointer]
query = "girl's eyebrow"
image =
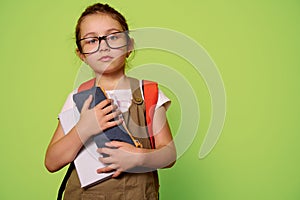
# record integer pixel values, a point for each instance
(111, 30)
(91, 33)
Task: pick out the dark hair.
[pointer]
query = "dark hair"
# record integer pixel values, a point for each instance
(104, 9)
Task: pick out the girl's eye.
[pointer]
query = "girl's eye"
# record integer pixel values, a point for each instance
(113, 37)
(91, 41)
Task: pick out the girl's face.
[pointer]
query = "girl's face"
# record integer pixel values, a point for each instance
(105, 60)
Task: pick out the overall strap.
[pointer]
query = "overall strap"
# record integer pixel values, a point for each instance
(150, 90)
(136, 95)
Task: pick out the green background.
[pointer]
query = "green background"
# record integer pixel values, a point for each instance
(255, 45)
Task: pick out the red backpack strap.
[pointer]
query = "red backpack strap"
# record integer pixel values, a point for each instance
(86, 85)
(150, 90)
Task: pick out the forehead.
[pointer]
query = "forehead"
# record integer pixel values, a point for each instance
(100, 24)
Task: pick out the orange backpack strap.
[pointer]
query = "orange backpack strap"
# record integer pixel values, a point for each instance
(86, 85)
(150, 90)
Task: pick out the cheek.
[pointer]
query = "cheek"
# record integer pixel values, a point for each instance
(119, 61)
(91, 58)
(119, 52)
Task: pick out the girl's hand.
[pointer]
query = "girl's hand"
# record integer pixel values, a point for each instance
(95, 120)
(121, 157)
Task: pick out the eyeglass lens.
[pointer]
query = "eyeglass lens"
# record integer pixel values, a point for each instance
(114, 41)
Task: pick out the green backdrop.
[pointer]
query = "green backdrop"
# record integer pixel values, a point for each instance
(255, 45)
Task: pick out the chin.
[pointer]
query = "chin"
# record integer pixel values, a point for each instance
(108, 67)
(108, 70)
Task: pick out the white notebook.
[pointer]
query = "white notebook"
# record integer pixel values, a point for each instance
(86, 162)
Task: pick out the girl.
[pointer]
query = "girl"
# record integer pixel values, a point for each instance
(103, 43)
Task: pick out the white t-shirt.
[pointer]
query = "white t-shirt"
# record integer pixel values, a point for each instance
(122, 98)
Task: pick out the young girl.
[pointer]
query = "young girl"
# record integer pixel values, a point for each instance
(104, 44)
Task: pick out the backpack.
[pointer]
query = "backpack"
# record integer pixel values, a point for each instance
(150, 92)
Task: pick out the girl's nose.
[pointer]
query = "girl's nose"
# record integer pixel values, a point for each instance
(103, 46)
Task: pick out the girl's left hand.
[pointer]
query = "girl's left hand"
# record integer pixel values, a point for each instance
(121, 157)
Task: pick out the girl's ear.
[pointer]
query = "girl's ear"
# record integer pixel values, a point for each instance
(80, 55)
(130, 47)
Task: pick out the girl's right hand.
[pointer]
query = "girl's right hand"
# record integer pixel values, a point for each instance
(95, 120)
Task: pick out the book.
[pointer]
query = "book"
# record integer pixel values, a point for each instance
(86, 162)
(115, 133)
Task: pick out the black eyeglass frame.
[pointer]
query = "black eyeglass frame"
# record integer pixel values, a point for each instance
(100, 38)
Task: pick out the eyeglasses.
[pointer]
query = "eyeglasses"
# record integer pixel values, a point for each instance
(91, 45)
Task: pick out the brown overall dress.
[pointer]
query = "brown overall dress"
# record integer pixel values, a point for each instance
(128, 186)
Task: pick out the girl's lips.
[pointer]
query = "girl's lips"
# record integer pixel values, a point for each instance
(105, 58)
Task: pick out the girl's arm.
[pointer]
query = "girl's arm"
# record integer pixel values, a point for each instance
(164, 155)
(64, 148)
(127, 157)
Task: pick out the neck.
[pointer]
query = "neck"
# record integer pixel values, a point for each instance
(112, 81)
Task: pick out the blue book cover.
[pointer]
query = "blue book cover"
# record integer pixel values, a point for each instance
(115, 133)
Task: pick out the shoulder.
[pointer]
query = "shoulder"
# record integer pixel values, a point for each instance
(69, 103)
(151, 88)
(86, 85)
(162, 100)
